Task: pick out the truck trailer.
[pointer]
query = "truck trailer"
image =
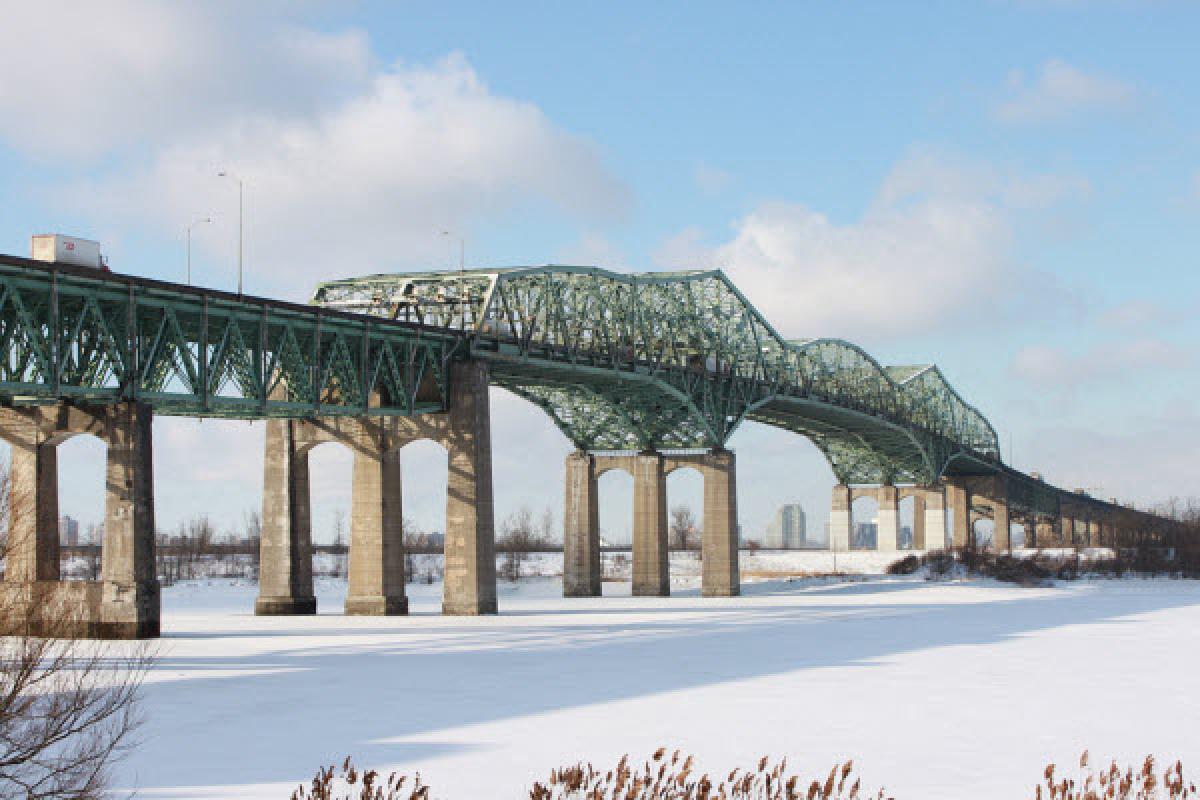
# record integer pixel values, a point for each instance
(56, 248)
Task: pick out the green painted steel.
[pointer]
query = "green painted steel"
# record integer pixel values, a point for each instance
(679, 360)
(83, 335)
(619, 362)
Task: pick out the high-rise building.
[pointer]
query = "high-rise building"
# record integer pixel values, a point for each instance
(866, 536)
(68, 530)
(787, 530)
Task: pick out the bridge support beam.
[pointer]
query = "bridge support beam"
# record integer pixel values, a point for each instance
(651, 564)
(581, 528)
(32, 552)
(839, 519)
(918, 524)
(129, 607)
(285, 583)
(720, 575)
(935, 519)
(888, 530)
(376, 579)
(470, 587)
(958, 498)
(125, 603)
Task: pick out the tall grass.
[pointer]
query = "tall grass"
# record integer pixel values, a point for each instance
(675, 776)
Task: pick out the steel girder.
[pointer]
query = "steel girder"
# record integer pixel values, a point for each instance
(678, 360)
(71, 333)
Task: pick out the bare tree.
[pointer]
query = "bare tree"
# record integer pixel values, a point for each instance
(518, 538)
(68, 709)
(683, 532)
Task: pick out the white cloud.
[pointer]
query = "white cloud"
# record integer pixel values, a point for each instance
(367, 186)
(349, 165)
(1057, 369)
(1061, 92)
(932, 248)
(84, 78)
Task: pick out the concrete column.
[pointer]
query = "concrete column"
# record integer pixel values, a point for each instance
(1002, 521)
(376, 585)
(1093, 532)
(470, 582)
(1043, 534)
(1068, 530)
(32, 553)
(285, 584)
(918, 524)
(888, 531)
(935, 520)
(719, 544)
(839, 519)
(1002, 536)
(130, 602)
(959, 499)
(651, 568)
(581, 528)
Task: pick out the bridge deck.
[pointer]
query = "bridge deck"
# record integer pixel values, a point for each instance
(76, 333)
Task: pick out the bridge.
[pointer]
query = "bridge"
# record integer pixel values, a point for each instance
(646, 373)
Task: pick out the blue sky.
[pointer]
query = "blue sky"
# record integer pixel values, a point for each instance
(1011, 190)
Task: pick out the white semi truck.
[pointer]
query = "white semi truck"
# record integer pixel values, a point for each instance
(56, 248)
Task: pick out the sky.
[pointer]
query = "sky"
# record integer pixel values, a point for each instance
(1008, 189)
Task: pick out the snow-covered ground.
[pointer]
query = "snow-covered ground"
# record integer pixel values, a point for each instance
(937, 690)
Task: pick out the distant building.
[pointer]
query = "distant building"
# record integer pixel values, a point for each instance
(68, 530)
(787, 530)
(866, 536)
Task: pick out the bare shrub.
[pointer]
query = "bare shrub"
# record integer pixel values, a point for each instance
(68, 708)
(518, 538)
(348, 783)
(904, 566)
(684, 530)
(1113, 783)
(675, 777)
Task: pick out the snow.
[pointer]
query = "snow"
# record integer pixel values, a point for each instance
(936, 689)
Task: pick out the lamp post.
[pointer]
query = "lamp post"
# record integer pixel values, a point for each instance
(462, 251)
(226, 174)
(193, 224)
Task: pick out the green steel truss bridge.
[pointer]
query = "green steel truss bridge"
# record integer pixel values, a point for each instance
(677, 360)
(668, 361)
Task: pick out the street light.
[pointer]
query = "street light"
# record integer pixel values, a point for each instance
(193, 224)
(225, 174)
(462, 251)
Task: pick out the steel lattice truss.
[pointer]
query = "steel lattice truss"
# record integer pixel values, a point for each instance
(679, 360)
(70, 333)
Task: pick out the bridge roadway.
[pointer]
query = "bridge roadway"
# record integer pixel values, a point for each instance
(644, 373)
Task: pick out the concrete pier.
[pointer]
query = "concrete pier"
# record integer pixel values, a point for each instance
(285, 584)
(377, 527)
(839, 519)
(129, 607)
(32, 551)
(125, 602)
(581, 528)
(720, 576)
(958, 498)
(470, 586)
(651, 568)
(376, 574)
(888, 530)
(935, 519)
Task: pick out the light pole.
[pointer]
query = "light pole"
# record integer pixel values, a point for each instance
(193, 224)
(462, 251)
(226, 174)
